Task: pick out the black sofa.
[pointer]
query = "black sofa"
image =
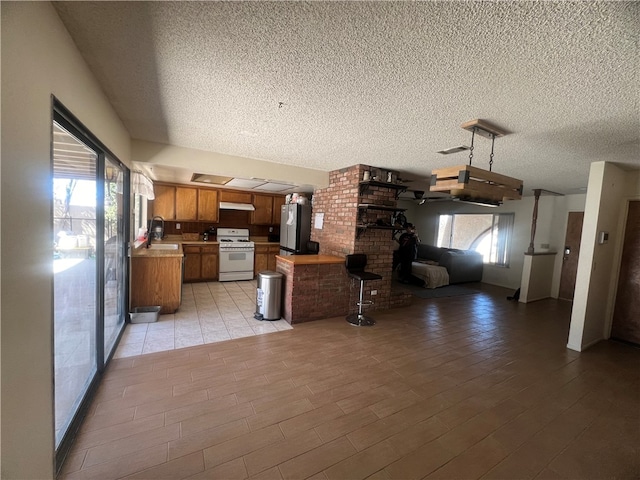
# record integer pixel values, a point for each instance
(462, 265)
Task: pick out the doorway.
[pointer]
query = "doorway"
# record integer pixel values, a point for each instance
(626, 313)
(570, 256)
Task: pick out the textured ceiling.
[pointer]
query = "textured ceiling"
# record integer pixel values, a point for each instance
(326, 85)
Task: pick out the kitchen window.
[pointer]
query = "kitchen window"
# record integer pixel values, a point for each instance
(488, 234)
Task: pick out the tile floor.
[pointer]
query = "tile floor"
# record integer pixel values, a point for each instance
(210, 312)
(464, 387)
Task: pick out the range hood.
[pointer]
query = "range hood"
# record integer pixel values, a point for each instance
(236, 206)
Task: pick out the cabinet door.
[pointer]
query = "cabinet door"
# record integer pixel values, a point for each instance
(191, 264)
(186, 203)
(208, 205)
(209, 263)
(271, 257)
(238, 197)
(165, 202)
(261, 259)
(263, 213)
(278, 201)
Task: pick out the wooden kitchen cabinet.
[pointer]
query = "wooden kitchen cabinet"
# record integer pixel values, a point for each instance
(164, 203)
(209, 263)
(191, 263)
(265, 258)
(273, 251)
(156, 281)
(260, 259)
(236, 197)
(278, 201)
(186, 203)
(263, 213)
(200, 263)
(208, 205)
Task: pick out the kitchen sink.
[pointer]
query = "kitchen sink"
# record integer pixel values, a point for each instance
(164, 246)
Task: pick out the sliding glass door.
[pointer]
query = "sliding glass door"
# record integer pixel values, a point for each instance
(75, 270)
(90, 232)
(114, 254)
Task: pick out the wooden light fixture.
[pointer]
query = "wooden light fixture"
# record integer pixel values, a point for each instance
(473, 184)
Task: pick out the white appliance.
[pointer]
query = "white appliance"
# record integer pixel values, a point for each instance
(236, 254)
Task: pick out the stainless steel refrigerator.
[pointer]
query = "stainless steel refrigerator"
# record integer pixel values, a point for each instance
(295, 228)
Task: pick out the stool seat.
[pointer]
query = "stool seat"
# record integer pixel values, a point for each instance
(364, 276)
(355, 264)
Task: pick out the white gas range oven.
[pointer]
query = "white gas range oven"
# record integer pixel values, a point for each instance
(236, 254)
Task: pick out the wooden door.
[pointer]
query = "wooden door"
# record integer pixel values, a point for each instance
(232, 196)
(208, 205)
(164, 203)
(260, 259)
(186, 203)
(209, 263)
(271, 258)
(570, 253)
(278, 201)
(191, 264)
(626, 313)
(263, 212)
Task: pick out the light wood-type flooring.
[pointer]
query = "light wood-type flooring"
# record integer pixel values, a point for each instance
(472, 386)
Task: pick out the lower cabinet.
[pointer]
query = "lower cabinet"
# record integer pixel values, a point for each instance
(265, 258)
(200, 263)
(156, 281)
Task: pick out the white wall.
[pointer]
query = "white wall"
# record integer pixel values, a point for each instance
(38, 60)
(609, 190)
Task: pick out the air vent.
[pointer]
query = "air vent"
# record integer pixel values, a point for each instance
(448, 151)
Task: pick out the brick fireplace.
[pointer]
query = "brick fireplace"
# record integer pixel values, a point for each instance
(340, 235)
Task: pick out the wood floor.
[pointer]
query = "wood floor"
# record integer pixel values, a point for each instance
(473, 386)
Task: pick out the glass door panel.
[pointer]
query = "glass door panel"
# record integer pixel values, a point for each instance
(114, 254)
(75, 273)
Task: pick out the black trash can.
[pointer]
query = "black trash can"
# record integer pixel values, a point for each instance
(268, 296)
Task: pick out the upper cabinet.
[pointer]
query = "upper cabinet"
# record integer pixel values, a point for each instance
(235, 197)
(193, 204)
(278, 201)
(165, 202)
(186, 203)
(207, 205)
(263, 213)
(267, 209)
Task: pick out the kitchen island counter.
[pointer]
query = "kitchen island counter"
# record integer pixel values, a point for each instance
(315, 287)
(311, 259)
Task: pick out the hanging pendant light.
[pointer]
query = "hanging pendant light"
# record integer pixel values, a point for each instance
(473, 184)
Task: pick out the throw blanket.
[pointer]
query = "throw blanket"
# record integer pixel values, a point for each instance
(434, 276)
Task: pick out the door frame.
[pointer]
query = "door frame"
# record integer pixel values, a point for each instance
(61, 115)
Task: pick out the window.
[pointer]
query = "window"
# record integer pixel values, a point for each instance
(488, 234)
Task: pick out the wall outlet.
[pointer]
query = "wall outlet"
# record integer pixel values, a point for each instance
(177, 226)
(374, 292)
(270, 229)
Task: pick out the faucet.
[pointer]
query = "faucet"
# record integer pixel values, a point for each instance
(151, 233)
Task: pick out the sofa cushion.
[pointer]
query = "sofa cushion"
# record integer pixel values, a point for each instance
(429, 252)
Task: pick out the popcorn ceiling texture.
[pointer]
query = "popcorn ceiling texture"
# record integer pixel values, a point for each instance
(375, 83)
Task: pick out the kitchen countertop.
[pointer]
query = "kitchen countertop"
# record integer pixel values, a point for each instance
(311, 259)
(143, 251)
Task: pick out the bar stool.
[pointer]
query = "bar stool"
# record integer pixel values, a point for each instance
(355, 264)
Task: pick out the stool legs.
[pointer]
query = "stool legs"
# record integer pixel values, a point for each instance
(359, 319)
